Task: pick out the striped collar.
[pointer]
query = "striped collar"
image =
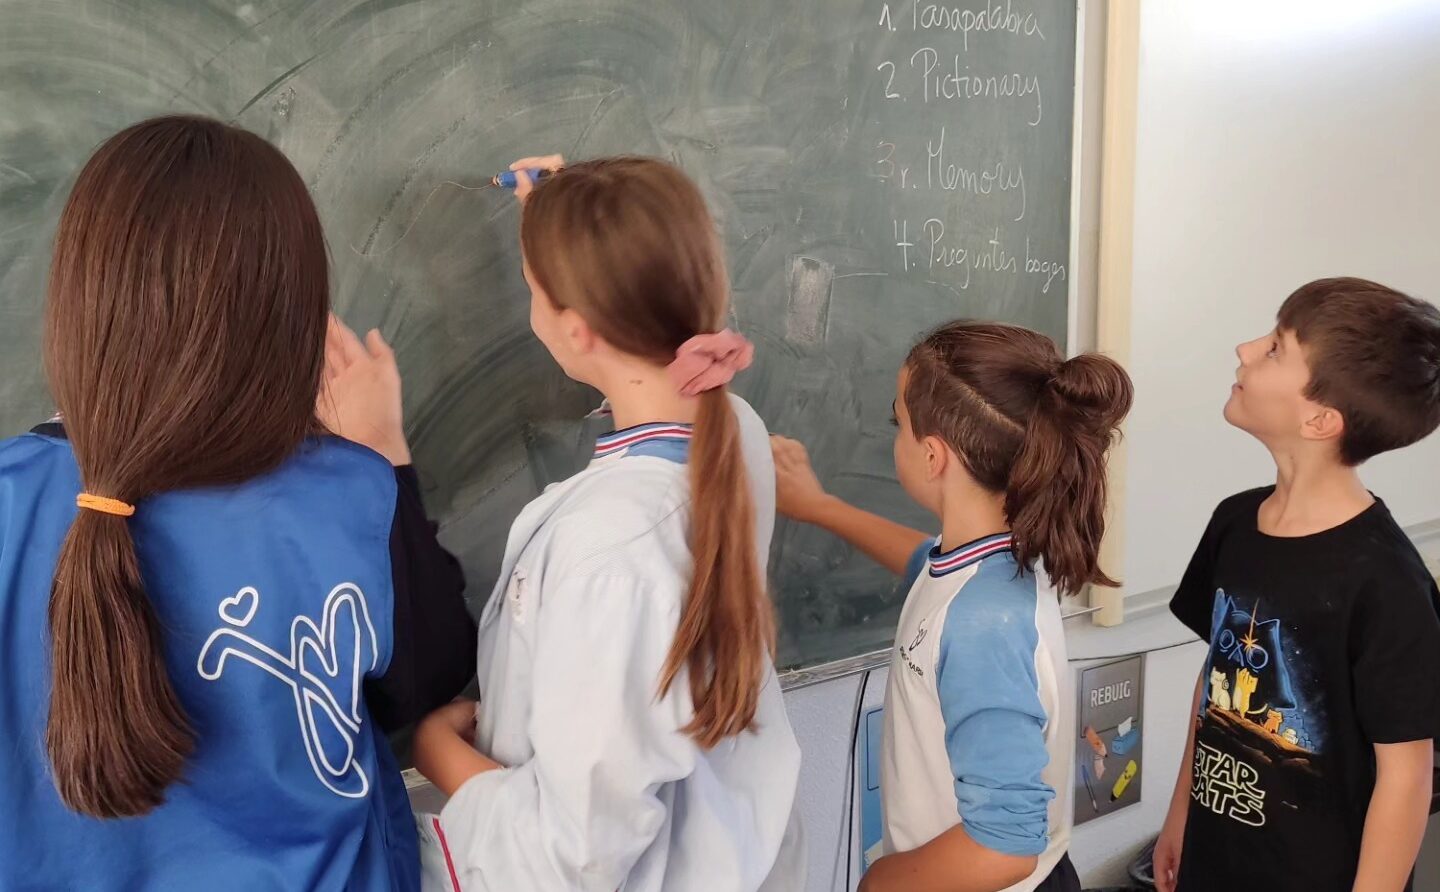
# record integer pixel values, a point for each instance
(965, 555)
(655, 433)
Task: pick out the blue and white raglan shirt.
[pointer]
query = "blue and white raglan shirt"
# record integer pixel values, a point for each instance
(303, 614)
(601, 787)
(978, 714)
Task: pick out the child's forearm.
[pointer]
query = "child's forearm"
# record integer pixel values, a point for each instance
(1395, 821)
(1169, 848)
(446, 759)
(1180, 799)
(888, 543)
(951, 862)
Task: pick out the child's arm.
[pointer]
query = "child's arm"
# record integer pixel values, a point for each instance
(799, 496)
(1395, 821)
(433, 652)
(1395, 636)
(444, 747)
(951, 862)
(1170, 845)
(432, 656)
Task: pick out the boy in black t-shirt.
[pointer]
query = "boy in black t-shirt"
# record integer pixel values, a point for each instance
(1309, 760)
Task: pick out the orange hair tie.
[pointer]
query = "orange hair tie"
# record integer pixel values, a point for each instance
(104, 505)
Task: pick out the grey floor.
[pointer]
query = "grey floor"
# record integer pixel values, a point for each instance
(1427, 869)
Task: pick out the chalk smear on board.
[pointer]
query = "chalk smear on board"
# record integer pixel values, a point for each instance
(809, 307)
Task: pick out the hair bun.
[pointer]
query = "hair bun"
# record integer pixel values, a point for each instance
(1093, 390)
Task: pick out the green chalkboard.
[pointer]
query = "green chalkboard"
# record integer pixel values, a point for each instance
(876, 168)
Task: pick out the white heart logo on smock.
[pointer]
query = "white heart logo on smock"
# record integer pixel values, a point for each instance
(324, 670)
(232, 611)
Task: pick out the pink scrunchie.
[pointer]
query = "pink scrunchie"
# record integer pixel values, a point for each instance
(708, 361)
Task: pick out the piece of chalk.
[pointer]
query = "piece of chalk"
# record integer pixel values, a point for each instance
(508, 180)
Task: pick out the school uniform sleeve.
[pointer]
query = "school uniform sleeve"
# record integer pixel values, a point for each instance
(994, 722)
(433, 656)
(915, 566)
(582, 810)
(1395, 668)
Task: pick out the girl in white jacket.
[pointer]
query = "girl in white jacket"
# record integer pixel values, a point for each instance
(630, 732)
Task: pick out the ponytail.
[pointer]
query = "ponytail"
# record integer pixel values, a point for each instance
(629, 245)
(117, 735)
(187, 248)
(1055, 497)
(1029, 426)
(726, 635)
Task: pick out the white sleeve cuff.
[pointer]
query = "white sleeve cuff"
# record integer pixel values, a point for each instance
(466, 819)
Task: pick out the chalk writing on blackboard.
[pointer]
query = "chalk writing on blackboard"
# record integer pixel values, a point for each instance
(939, 242)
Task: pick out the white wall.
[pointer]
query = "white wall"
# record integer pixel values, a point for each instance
(1278, 141)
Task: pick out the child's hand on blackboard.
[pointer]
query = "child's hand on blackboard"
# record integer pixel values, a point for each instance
(523, 185)
(360, 392)
(798, 493)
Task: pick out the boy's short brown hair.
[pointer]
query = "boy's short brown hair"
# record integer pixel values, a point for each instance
(1374, 356)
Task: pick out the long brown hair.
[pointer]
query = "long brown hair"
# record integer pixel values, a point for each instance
(629, 244)
(184, 341)
(1028, 424)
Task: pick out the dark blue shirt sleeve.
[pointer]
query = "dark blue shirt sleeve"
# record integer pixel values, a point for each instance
(433, 654)
(915, 566)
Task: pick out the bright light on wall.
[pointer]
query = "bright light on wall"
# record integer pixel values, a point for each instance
(1277, 20)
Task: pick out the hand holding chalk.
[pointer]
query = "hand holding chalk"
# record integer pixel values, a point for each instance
(510, 179)
(526, 170)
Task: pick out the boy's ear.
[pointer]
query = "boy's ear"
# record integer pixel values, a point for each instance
(578, 333)
(937, 457)
(1324, 423)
